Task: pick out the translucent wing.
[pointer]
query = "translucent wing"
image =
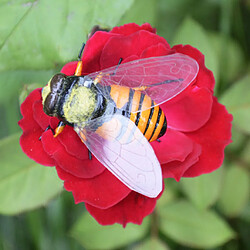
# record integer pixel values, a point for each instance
(121, 147)
(161, 78)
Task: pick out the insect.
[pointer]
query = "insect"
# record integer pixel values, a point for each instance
(116, 113)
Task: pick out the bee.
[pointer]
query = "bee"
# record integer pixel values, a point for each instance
(116, 113)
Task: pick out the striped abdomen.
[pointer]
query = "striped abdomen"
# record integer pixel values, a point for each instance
(151, 121)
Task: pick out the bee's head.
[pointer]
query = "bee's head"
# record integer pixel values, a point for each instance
(52, 92)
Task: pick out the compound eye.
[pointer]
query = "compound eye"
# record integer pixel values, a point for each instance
(57, 82)
(50, 104)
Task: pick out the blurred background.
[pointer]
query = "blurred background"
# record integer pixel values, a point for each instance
(208, 212)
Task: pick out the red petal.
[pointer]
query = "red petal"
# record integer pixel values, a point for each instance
(81, 168)
(93, 51)
(131, 28)
(29, 141)
(133, 44)
(131, 209)
(91, 54)
(176, 169)
(205, 77)
(33, 148)
(190, 112)
(72, 144)
(159, 49)
(69, 68)
(213, 137)
(26, 107)
(102, 191)
(39, 116)
(174, 145)
(131, 58)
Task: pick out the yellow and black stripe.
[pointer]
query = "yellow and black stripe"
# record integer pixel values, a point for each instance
(151, 121)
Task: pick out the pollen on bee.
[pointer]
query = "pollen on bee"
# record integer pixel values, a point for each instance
(79, 105)
(45, 92)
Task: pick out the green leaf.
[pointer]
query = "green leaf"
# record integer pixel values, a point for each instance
(11, 14)
(170, 194)
(24, 185)
(203, 190)
(51, 32)
(40, 37)
(27, 89)
(147, 10)
(245, 154)
(245, 214)
(194, 228)
(151, 244)
(11, 83)
(238, 139)
(237, 101)
(106, 237)
(229, 55)
(171, 14)
(235, 191)
(190, 32)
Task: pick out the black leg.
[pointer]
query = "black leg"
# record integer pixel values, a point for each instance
(61, 124)
(120, 61)
(90, 155)
(80, 53)
(47, 130)
(158, 140)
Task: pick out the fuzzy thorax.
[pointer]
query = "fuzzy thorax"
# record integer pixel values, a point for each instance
(79, 105)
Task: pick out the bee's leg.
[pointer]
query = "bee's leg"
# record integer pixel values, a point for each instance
(80, 52)
(158, 140)
(100, 75)
(90, 155)
(120, 61)
(47, 130)
(59, 128)
(78, 71)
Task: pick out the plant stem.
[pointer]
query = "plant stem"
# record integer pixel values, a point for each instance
(154, 225)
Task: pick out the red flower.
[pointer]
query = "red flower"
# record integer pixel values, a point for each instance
(199, 128)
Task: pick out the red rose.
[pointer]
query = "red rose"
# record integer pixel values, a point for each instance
(199, 128)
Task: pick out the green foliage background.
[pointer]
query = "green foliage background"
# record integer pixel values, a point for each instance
(208, 212)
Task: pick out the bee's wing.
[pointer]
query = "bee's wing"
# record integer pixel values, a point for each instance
(121, 147)
(164, 77)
